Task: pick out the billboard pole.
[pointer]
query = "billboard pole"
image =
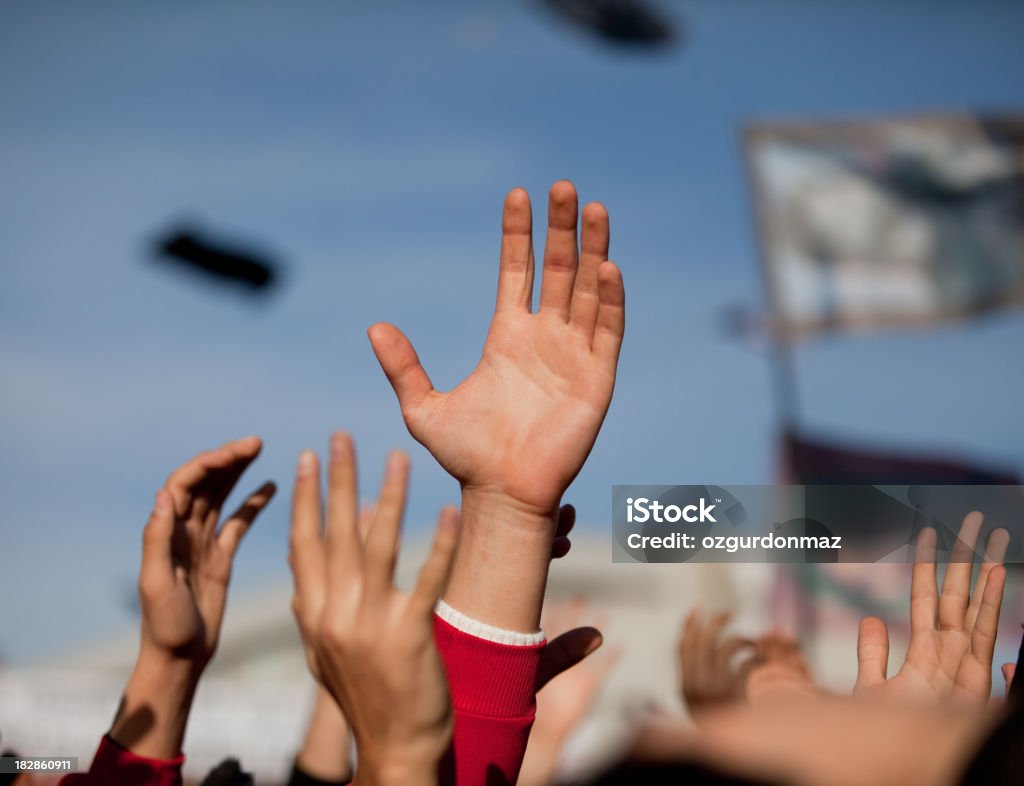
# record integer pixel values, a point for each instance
(782, 361)
(781, 356)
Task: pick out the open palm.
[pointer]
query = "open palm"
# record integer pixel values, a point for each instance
(524, 421)
(953, 634)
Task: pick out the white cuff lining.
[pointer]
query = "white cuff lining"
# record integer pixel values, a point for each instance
(482, 630)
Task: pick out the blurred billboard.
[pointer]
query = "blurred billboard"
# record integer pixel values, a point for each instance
(889, 222)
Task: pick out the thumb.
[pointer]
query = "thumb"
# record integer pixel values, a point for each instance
(401, 366)
(565, 651)
(872, 653)
(1009, 669)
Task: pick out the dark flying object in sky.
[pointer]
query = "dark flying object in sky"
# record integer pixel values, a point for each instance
(219, 260)
(629, 22)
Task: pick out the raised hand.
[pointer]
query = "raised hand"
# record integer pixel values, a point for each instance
(186, 558)
(569, 680)
(187, 555)
(522, 424)
(516, 431)
(711, 675)
(953, 634)
(371, 646)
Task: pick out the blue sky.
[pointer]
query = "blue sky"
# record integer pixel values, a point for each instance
(370, 146)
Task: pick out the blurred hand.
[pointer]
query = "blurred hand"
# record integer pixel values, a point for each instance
(711, 672)
(183, 584)
(186, 558)
(953, 634)
(326, 746)
(370, 645)
(778, 670)
(520, 426)
(827, 741)
(568, 682)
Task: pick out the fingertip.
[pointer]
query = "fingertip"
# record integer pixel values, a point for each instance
(162, 502)
(996, 579)
(872, 627)
(383, 334)
(307, 463)
(594, 214)
(609, 272)
(560, 546)
(448, 521)
(248, 446)
(997, 545)
(517, 198)
(342, 445)
(562, 192)
(610, 288)
(397, 464)
(566, 521)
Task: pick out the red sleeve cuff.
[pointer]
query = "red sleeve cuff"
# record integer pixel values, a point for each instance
(115, 765)
(487, 678)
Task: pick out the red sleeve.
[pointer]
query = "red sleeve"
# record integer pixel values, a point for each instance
(115, 765)
(492, 690)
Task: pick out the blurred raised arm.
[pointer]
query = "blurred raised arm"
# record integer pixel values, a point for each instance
(187, 556)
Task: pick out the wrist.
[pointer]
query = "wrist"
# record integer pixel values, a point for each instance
(157, 660)
(493, 508)
(151, 719)
(325, 752)
(501, 564)
(403, 770)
